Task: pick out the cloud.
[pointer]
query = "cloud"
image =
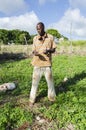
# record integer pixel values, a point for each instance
(41, 2)
(72, 22)
(77, 3)
(12, 6)
(25, 22)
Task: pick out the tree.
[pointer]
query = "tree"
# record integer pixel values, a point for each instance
(26, 36)
(14, 36)
(30, 41)
(4, 36)
(54, 32)
(22, 39)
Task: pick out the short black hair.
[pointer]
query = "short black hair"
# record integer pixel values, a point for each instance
(41, 24)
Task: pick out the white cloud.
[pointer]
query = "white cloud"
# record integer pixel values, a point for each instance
(41, 2)
(12, 6)
(77, 3)
(71, 21)
(25, 22)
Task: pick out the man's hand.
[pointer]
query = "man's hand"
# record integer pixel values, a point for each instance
(35, 53)
(49, 51)
(46, 51)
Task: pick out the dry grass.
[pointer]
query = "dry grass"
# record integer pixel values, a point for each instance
(75, 50)
(26, 49)
(15, 49)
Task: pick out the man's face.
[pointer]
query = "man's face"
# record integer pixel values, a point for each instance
(40, 29)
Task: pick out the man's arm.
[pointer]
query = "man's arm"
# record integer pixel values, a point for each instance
(35, 53)
(52, 50)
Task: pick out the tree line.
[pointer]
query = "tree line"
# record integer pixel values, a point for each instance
(22, 37)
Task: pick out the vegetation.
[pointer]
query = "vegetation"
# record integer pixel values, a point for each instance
(73, 43)
(79, 43)
(56, 34)
(69, 107)
(15, 36)
(21, 37)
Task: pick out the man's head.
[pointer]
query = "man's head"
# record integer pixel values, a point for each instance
(40, 28)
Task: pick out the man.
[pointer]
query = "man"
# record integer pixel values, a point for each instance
(43, 47)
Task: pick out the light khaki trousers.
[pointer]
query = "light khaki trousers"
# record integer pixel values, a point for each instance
(37, 74)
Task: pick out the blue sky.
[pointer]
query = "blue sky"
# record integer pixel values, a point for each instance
(67, 16)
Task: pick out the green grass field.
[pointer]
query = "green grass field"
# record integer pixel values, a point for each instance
(70, 105)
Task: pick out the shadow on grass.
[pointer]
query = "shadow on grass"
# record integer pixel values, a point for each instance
(65, 86)
(60, 88)
(12, 56)
(41, 95)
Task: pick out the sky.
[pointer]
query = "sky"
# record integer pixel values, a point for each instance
(66, 16)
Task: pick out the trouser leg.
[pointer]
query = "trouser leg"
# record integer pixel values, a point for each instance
(49, 79)
(35, 81)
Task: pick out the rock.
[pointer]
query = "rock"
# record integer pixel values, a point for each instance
(7, 86)
(65, 79)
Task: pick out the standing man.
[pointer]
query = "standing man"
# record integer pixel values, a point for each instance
(43, 47)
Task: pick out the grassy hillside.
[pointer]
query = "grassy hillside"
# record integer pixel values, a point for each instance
(69, 110)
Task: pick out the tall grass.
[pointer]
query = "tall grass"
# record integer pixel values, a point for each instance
(74, 43)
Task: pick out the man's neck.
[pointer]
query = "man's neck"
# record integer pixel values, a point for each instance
(43, 33)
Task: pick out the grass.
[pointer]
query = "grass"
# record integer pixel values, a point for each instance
(23, 51)
(74, 43)
(69, 107)
(74, 47)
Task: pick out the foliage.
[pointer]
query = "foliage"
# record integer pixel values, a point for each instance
(71, 95)
(3, 36)
(30, 41)
(14, 36)
(12, 117)
(54, 32)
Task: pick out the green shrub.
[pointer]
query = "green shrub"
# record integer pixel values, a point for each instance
(12, 117)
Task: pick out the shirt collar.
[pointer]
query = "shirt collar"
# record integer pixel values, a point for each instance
(42, 37)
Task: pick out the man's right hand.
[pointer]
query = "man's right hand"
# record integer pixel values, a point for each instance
(35, 53)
